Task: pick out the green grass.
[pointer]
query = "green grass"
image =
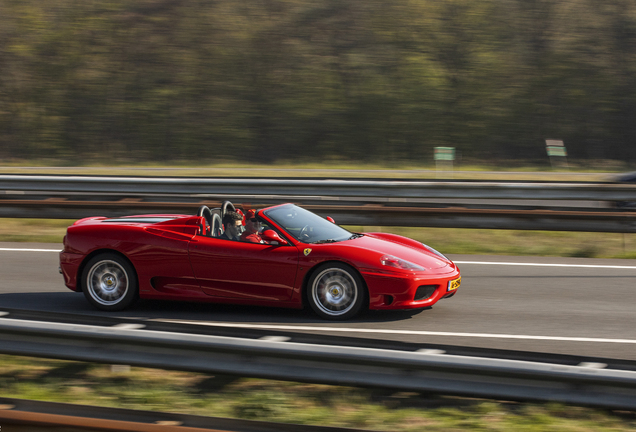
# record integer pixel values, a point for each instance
(469, 170)
(446, 240)
(524, 243)
(33, 230)
(256, 399)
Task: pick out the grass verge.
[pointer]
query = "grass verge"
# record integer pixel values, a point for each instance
(469, 170)
(33, 230)
(520, 243)
(256, 399)
(446, 240)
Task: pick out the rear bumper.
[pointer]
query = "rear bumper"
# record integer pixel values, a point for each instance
(399, 292)
(69, 267)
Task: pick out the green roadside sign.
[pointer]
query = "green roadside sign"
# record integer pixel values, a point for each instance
(444, 153)
(555, 148)
(557, 151)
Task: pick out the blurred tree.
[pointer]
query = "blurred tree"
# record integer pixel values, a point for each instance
(263, 80)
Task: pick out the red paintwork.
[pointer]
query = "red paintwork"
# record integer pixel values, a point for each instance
(173, 261)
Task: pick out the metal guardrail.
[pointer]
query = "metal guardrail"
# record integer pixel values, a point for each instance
(337, 365)
(461, 204)
(341, 188)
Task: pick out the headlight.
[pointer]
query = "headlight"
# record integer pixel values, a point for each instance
(435, 252)
(392, 261)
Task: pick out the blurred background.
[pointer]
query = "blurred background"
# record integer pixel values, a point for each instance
(260, 81)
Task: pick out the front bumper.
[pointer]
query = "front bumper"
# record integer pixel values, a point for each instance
(401, 291)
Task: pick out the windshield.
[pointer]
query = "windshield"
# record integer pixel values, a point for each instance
(306, 226)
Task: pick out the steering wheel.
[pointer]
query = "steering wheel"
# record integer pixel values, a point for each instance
(304, 233)
(207, 215)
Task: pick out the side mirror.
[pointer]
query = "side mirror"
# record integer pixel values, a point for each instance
(272, 236)
(330, 219)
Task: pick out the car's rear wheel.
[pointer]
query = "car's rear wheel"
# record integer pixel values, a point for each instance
(110, 282)
(336, 291)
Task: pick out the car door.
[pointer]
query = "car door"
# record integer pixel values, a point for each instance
(234, 269)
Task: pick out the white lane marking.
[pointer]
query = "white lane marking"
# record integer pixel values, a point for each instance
(547, 265)
(592, 365)
(405, 332)
(275, 338)
(431, 351)
(130, 326)
(3, 313)
(29, 250)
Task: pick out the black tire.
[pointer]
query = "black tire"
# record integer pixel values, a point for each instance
(109, 282)
(335, 291)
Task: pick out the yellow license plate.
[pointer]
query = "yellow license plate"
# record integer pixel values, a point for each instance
(454, 284)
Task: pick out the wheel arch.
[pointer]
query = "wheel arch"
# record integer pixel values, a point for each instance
(312, 271)
(90, 256)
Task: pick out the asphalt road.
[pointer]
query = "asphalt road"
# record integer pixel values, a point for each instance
(556, 305)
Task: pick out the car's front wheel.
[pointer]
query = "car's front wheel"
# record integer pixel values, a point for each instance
(109, 282)
(336, 291)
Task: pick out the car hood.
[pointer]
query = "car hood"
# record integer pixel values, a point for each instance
(400, 247)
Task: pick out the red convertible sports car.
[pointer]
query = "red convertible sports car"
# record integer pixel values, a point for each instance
(304, 260)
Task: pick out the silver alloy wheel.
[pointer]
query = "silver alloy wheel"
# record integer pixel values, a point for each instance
(334, 291)
(107, 282)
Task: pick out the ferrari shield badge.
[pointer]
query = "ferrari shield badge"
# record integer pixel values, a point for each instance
(307, 251)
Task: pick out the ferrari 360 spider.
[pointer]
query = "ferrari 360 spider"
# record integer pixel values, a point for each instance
(304, 260)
